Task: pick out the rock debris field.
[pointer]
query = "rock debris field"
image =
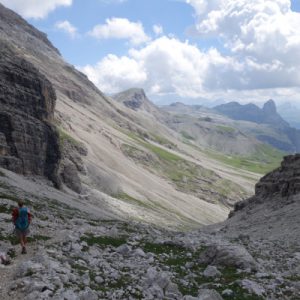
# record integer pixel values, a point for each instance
(74, 256)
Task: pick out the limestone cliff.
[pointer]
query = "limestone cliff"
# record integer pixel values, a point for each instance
(29, 144)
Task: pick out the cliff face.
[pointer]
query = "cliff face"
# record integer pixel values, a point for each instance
(284, 181)
(273, 212)
(29, 144)
(275, 188)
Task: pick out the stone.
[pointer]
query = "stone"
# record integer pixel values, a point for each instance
(228, 255)
(227, 293)
(206, 294)
(252, 287)
(123, 249)
(88, 294)
(99, 279)
(139, 252)
(71, 178)
(211, 271)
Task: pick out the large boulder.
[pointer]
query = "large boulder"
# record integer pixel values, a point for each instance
(228, 255)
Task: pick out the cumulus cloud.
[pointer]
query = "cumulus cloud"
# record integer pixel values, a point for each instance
(157, 29)
(164, 66)
(266, 30)
(67, 27)
(264, 34)
(113, 73)
(262, 57)
(36, 9)
(120, 28)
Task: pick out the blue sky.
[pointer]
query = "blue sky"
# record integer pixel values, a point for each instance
(174, 16)
(201, 49)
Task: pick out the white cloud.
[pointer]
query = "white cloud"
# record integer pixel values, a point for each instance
(36, 9)
(264, 29)
(262, 60)
(157, 29)
(164, 66)
(263, 35)
(120, 28)
(113, 74)
(67, 27)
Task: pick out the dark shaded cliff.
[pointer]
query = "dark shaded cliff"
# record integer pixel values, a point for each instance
(283, 182)
(29, 143)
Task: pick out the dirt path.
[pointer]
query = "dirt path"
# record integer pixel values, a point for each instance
(8, 273)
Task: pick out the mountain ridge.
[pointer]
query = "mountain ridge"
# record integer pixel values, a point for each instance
(105, 146)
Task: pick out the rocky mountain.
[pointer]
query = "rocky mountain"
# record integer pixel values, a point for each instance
(282, 135)
(229, 141)
(131, 189)
(127, 161)
(137, 100)
(251, 112)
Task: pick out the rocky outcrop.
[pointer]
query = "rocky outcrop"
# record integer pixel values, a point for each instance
(29, 143)
(279, 184)
(273, 212)
(72, 163)
(284, 181)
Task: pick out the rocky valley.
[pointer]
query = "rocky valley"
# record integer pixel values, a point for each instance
(130, 200)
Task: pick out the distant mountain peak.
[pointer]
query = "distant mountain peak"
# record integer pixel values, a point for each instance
(133, 98)
(177, 104)
(270, 107)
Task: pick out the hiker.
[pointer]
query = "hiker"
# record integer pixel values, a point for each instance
(21, 218)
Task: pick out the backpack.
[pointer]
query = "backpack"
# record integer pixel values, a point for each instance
(22, 221)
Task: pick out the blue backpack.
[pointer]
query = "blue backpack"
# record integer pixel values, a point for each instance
(22, 221)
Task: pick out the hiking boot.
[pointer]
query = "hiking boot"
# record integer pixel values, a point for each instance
(24, 250)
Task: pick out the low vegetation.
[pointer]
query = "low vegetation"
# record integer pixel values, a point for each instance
(225, 129)
(187, 136)
(65, 137)
(103, 241)
(264, 160)
(187, 176)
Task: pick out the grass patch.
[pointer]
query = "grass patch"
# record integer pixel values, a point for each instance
(264, 160)
(238, 293)
(14, 240)
(187, 176)
(163, 248)
(65, 137)
(6, 209)
(127, 198)
(9, 197)
(162, 153)
(79, 268)
(187, 136)
(225, 129)
(103, 240)
(162, 141)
